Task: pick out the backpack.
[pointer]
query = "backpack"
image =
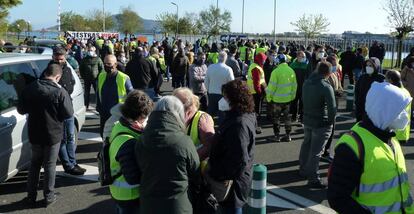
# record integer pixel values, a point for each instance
(104, 165)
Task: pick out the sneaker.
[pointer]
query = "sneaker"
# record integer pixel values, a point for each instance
(75, 171)
(80, 168)
(317, 185)
(275, 138)
(326, 159)
(258, 130)
(286, 138)
(50, 200)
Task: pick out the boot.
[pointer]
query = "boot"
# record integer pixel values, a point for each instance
(286, 138)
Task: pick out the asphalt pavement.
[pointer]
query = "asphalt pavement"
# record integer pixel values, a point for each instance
(287, 191)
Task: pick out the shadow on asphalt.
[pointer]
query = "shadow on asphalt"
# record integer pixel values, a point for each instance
(106, 206)
(87, 148)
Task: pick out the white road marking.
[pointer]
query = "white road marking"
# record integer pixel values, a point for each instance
(90, 136)
(273, 201)
(304, 202)
(91, 173)
(91, 115)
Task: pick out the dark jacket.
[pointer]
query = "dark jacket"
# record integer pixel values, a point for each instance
(359, 62)
(67, 81)
(347, 60)
(232, 155)
(346, 171)
(302, 71)
(168, 161)
(142, 73)
(377, 51)
(361, 91)
(48, 105)
(268, 67)
(319, 107)
(179, 66)
(90, 67)
(234, 65)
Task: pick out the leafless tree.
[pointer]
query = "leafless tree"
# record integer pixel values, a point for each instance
(401, 18)
(311, 25)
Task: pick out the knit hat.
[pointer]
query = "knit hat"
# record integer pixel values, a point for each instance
(384, 103)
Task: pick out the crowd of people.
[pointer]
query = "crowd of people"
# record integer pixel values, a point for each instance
(165, 148)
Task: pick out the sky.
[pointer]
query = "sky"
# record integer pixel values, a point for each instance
(344, 15)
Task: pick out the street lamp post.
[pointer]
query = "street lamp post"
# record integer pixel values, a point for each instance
(243, 18)
(274, 24)
(176, 30)
(18, 32)
(28, 28)
(103, 14)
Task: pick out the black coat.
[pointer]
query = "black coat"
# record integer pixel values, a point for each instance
(48, 105)
(361, 91)
(231, 157)
(142, 73)
(67, 81)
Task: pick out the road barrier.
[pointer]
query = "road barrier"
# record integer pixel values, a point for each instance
(257, 198)
(350, 92)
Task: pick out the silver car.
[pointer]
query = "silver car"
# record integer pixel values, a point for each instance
(16, 71)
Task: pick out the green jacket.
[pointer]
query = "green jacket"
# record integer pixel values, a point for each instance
(319, 106)
(90, 67)
(168, 160)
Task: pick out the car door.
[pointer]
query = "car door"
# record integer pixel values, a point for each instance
(14, 144)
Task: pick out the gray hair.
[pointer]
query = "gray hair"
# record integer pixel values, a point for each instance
(175, 106)
(222, 57)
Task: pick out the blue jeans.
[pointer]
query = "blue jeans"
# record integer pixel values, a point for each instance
(151, 94)
(127, 208)
(68, 145)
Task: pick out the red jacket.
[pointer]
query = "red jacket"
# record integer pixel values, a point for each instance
(258, 59)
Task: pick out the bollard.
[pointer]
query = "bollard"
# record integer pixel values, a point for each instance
(257, 197)
(350, 98)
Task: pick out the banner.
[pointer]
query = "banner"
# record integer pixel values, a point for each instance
(87, 35)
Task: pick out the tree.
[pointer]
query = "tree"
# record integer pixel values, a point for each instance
(128, 21)
(401, 18)
(20, 25)
(5, 5)
(71, 21)
(95, 20)
(186, 24)
(311, 25)
(213, 22)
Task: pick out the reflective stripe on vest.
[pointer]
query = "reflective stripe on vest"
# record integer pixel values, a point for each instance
(121, 79)
(250, 83)
(384, 182)
(194, 129)
(120, 189)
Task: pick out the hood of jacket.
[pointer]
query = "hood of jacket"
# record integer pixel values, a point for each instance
(384, 103)
(260, 59)
(162, 130)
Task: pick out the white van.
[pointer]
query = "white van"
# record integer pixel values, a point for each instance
(16, 71)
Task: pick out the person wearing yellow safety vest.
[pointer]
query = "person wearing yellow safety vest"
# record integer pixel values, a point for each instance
(257, 85)
(242, 51)
(99, 42)
(200, 125)
(213, 55)
(261, 49)
(394, 77)
(113, 86)
(368, 173)
(280, 91)
(125, 135)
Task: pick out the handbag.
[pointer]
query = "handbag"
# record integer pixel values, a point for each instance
(220, 189)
